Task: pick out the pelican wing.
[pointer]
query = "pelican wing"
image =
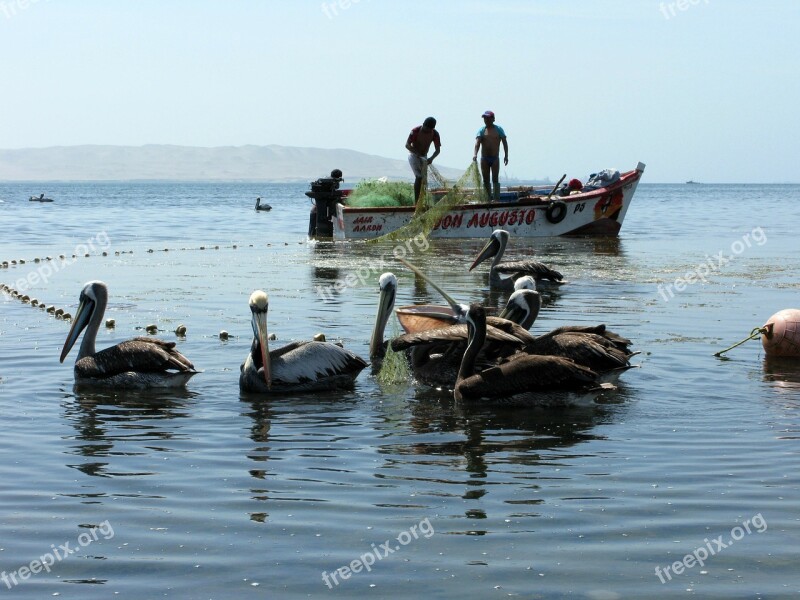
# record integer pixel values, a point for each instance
(587, 349)
(539, 270)
(138, 355)
(619, 342)
(301, 367)
(510, 328)
(526, 374)
(455, 333)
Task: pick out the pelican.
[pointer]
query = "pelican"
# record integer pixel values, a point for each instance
(260, 206)
(522, 379)
(496, 247)
(304, 366)
(388, 292)
(142, 362)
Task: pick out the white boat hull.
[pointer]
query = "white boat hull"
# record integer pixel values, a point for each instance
(598, 212)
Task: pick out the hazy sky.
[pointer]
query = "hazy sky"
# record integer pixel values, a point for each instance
(697, 89)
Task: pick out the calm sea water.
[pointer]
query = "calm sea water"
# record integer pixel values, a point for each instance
(204, 494)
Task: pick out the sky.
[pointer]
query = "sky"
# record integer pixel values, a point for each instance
(703, 90)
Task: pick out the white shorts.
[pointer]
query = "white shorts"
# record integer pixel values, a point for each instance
(418, 163)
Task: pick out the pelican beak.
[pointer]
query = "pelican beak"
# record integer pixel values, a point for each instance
(489, 250)
(385, 306)
(457, 308)
(262, 337)
(514, 313)
(79, 323)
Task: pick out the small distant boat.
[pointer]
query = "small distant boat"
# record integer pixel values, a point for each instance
(260, 206)
(40, 198)
(690, 182)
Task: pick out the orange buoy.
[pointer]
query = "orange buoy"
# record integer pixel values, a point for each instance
(781, 333)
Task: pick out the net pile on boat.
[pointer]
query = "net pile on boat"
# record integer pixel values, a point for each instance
(377, 193)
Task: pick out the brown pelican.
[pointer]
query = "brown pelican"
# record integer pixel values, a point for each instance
(260, 206)
(496, 247)
(522, 379)
(142, 362)
(304, 366)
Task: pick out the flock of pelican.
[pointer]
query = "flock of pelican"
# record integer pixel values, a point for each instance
(456, 347)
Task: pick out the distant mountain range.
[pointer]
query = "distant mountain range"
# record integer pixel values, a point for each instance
(188, 163)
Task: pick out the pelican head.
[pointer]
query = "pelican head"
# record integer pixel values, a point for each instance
(523, 307)
(496, 246)
(93, 300)
(388, 292)
(526, 282)
(259, 305)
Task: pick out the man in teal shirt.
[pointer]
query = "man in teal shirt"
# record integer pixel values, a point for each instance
(488, 141)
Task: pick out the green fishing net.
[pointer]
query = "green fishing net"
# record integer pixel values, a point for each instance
(376, 193)
(431, 207)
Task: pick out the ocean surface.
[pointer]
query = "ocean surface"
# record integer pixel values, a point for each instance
(685, 482)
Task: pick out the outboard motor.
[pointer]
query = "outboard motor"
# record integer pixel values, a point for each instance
(326, 194)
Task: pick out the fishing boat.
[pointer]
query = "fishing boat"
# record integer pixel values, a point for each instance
(522, 211)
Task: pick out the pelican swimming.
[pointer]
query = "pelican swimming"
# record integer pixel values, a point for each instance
(304, 366)
(260, 206)
(522, 379)
(141, 362)
(496, 247)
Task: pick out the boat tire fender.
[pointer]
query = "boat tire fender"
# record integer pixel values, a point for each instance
(556, 212)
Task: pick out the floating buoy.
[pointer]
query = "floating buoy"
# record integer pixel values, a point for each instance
(180, 330)
(224, 335)
(110, 323)
(780, 335)
(151, 329)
